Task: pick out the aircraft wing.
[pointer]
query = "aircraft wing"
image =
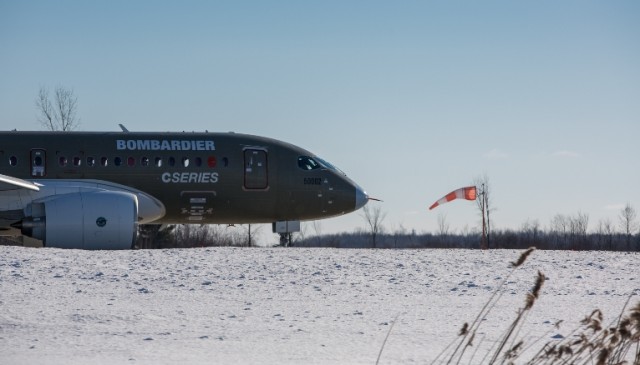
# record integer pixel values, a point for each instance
(13, 183)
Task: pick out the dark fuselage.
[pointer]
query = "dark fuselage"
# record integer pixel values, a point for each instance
(198, 177)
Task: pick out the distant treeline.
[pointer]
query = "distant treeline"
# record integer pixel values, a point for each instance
(500, 239)
(183, 236)
(187, 236)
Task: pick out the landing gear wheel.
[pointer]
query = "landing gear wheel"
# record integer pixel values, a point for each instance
(285, 240)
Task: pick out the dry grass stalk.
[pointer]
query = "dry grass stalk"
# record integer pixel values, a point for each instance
(535, 292)
(466, 335)
(523, 257)
(530, 300)
(591, 343)
(602, 358)
(386, 338)
(464, 330)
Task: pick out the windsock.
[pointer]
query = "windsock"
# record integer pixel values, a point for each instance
(468, 193)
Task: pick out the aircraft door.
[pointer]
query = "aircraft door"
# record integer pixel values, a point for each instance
(38, 163)
(255, 169)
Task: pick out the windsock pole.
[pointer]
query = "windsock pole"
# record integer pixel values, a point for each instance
(483, 204)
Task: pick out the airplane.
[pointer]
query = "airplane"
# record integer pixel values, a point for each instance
(91, 190)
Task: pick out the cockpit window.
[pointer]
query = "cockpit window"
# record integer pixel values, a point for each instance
(313, 163)
(308, 163)
(329, 166)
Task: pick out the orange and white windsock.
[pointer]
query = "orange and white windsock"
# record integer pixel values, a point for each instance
(468, 193)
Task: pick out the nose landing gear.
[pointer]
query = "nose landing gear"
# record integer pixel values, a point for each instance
(285, 230)
(285, 240)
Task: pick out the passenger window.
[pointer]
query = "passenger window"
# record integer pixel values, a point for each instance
(62, 161)
(77, 161)
(172, 161)
(185, 161)
(307, 163)
(91, 161)
(131, 161)
(104, 161)
(211, 161)
(225, 162)
(197, 161)
(158, 161)
(144, 161)
(13, 160)
(117, 161)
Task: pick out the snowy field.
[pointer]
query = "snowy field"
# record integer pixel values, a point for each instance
(285, 306)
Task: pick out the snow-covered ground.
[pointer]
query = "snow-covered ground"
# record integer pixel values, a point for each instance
(285, 306)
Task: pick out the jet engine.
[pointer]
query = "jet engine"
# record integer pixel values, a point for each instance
(93, 220)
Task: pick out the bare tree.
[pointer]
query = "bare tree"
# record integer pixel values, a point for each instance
(559, 227)
(399, 235)
(443, 225)
(628, 223)
(154, 235)
(192, 235)
(247, 234)
(443, 229)
(45, 109)
(317, 227)
(578, 225)
(317, 230)
(605, 234)
(374, 218)
(59, 115)
(531, 231)
(484, 205)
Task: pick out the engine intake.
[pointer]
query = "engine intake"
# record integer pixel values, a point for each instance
(102, 220)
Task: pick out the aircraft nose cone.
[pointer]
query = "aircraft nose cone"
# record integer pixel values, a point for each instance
(361, 197)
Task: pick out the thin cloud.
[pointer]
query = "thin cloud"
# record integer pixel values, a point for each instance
(496, 154)
(566, 153)
(619, 206)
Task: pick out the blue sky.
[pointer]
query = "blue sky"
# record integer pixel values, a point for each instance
(412, 99)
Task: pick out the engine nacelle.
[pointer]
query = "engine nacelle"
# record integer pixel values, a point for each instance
(101, 220)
